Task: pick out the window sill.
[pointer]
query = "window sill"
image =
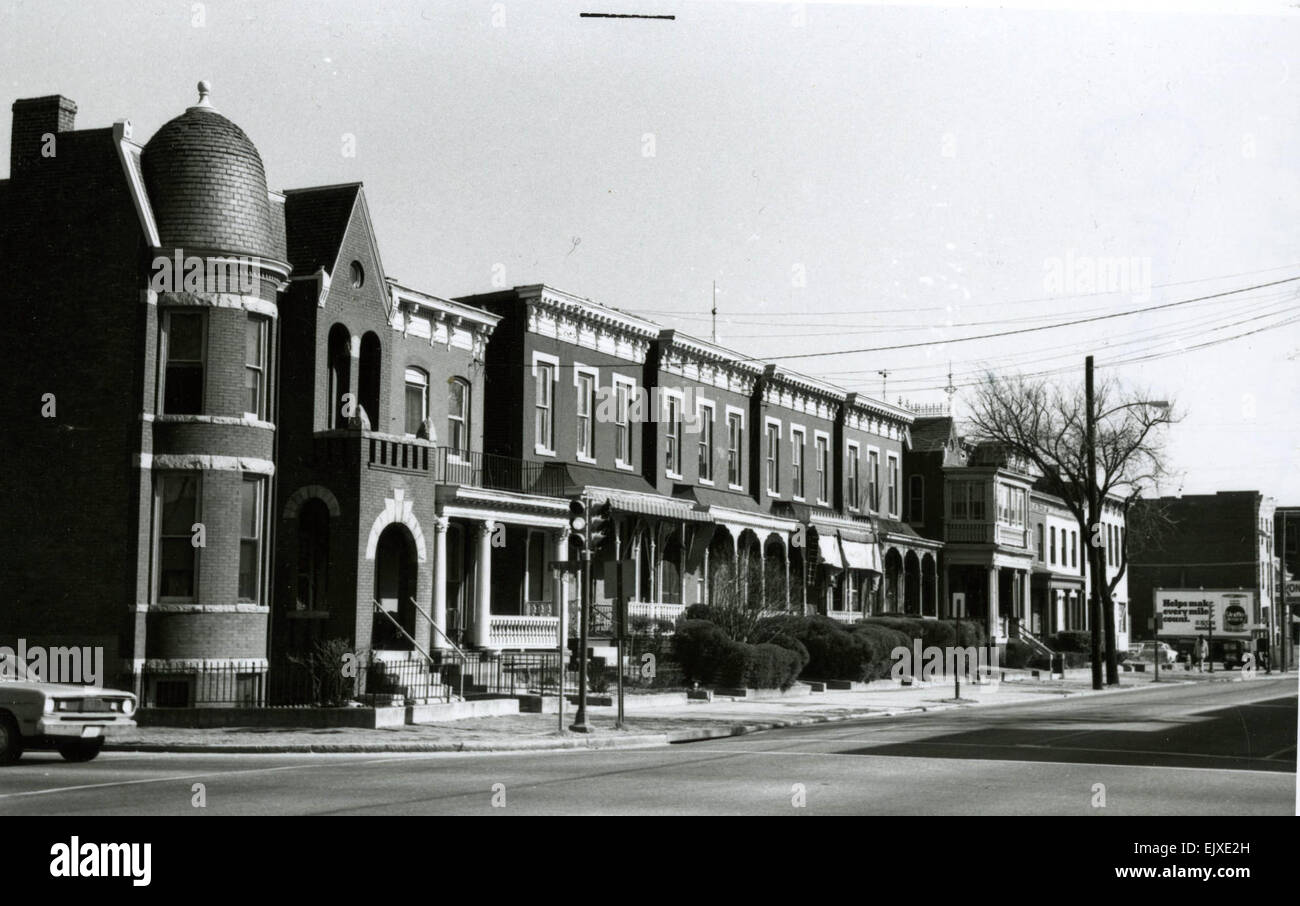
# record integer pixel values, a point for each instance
(675, 476)
(625, 466)
(589, 460)
(706, 481)
(736, 487)
(543, 451)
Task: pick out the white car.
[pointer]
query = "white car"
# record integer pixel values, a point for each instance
(1148, 651)
(75, 720)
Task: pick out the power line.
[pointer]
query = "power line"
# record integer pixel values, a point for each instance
(1025, 330)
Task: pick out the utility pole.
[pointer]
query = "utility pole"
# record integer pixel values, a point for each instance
(1094, 599)
(884, 386)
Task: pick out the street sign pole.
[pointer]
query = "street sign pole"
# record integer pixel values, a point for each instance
(1156, 637)
(620, 618)
(580, 719)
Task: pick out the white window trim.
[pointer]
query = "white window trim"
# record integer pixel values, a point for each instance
(260, 483)
(895, 512)
(700, 404)
(769, 421)
(262, 370)
(579, 371)
(542, 358)
(803, 434)
(740, 452)
(428, 390)
(853, 450)
(630, 383)
(666, 394)
(830, 467)
(872, 504)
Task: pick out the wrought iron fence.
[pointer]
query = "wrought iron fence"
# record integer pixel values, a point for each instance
(500, 473)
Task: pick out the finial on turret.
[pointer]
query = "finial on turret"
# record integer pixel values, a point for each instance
(205, 89)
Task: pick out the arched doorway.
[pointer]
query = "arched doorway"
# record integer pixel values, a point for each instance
(395, 587)
(911, 584)
(929, 586)
(893, 581)
(722, 577)
(776, 594)
(750, 563)
(798, 581)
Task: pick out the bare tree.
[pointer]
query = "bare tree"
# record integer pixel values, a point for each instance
(1045, 425)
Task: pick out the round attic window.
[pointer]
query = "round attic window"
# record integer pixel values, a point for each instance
(358, 274)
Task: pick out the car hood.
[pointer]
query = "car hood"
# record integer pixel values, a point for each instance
(60, 689)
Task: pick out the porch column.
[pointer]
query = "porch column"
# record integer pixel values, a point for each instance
(704, 596)
(1026, 605)
(994, 624)
(934, 587)
(483, 583)
(762, 577)
(439, 640)
(787, 577)
(560, 588)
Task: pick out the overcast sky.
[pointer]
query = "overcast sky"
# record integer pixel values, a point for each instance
(852, 176)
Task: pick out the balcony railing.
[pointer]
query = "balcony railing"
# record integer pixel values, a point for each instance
(985, 533)
(510, 631)
(655, 610)
(499, 473)
(844, 616)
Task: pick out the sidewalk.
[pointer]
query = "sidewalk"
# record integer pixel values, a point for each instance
(653, 726)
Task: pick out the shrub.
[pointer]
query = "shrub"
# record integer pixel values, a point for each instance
(1018, 654)
(763, 666)
(1072, 640)
(879, 643)
(699, 648)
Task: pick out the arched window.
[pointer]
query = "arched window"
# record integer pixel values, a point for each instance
(368, 378)
(313, 555)
(340, 374)
(458, 410)
(417, 399)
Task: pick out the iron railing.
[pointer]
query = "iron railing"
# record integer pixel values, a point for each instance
(498, 473)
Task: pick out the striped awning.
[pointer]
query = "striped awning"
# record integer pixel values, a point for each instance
(647, 505)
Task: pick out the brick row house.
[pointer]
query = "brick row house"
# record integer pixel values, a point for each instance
(238, 474)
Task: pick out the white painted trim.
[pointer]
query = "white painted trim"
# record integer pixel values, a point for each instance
(769, 421)
(213, 300)
(181, 461)
(740, 452)
(617, 379)
(543, 358)
(397, 508)
(830, 466)
(891, 456)
(856, 447)
(580, 370)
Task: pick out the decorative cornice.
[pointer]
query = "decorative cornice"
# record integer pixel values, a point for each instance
(572, 319)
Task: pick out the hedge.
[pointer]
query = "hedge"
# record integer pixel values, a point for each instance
(859, 652)
(706, 654)
(1071, 640)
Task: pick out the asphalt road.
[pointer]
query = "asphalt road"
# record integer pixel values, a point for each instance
(1226, 749)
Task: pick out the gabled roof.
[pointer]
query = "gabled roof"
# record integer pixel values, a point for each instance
(315, 220)
(931, 434)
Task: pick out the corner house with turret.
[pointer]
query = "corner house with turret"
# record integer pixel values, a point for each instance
(235, 440)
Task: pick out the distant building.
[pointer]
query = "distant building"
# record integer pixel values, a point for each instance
(1220, 541)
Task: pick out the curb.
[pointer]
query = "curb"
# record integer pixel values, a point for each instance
(638, 741)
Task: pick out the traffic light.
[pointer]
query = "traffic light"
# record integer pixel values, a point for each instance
(598, 525)
(578, 519)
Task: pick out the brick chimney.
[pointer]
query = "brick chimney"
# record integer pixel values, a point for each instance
(33, 119)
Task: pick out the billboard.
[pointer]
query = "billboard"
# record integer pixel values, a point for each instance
(1195, 611)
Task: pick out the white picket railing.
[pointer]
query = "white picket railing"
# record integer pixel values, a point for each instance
(509, 631)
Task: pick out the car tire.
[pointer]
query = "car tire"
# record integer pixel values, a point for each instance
(79, 749)
(11, 741)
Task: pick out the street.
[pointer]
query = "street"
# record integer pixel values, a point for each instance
(1219, 751)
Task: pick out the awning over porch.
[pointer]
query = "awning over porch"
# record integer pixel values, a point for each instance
(829, 549)
(860, 555)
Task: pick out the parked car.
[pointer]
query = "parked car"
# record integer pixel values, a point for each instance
(1149, 651)
(74, 720)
